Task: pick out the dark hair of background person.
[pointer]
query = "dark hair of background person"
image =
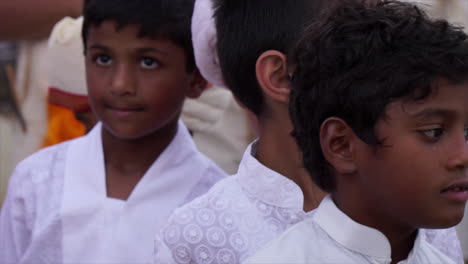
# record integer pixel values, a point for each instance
(246, 29)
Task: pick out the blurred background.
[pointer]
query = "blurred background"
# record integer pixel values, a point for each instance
(25, 26)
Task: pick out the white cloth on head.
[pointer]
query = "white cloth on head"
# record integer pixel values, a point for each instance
(239, 216)
(57, 210)
(204, 40)
(330, 237)
(66, 69)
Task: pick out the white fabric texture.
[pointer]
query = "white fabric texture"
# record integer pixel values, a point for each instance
(57, 211)
(240, 215)
(330, 236)
(204, 40)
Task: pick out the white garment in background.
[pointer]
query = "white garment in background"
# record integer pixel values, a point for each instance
(455, 11)
(241, 214)
(329, 236)
(31, 93)
(57, 210)
(220, 127)
(6, 146)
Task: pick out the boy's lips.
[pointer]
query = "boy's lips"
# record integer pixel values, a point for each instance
(456, 191)
(126, 110)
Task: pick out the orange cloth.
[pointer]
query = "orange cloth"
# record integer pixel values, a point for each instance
(62, 125)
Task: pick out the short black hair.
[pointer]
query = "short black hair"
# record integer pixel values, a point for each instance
(356, 60)
(170, 19)
(246, 29)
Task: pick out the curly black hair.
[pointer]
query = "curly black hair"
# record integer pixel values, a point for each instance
(357, 59)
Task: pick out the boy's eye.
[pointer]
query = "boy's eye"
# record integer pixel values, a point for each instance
(434, 134)
(103, 60)
(465, 132)
(148, 63)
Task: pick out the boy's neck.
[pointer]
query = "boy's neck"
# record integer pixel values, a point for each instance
(126, 161)
(401, 237)
(277, 150)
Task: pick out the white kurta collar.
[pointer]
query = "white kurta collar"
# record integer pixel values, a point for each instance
(267, 185)
(97, 228)
(344, 230)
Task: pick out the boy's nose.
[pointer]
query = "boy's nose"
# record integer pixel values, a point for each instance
(122, 82)
(458, 157)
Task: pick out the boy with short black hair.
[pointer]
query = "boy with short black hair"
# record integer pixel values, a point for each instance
(379, 107)
(258, 203)
(101, 198)
(271, 191)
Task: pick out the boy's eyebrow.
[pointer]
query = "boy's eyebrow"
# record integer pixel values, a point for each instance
(434, 112)
(98, 46)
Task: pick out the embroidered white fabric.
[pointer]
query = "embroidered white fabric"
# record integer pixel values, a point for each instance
(339, 239)
(240, 214)
(31, 226)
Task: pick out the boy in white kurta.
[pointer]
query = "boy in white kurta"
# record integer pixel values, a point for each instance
(271, 190)
(101, 198)
(394, 164)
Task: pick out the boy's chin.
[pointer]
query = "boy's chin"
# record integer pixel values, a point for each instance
(443, 221)
(124, 133)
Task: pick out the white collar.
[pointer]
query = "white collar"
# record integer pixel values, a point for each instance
(344, 230)
(86, 171)
(88, 214)
(267, 185)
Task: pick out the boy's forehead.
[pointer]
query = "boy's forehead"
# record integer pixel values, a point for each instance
(112, 26)
(109, 31)
(445, 100)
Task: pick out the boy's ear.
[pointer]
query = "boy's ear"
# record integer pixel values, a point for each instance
(338, 144)
(272, 75)
(197, 85)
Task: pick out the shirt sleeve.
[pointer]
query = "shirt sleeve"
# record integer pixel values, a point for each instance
(15, 235)
(446, 241)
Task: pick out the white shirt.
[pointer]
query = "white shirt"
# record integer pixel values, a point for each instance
(240, 215)
(330, 237)
(57, 210)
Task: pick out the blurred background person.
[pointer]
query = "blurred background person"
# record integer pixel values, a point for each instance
(68, 110)
(8, 109)
(453, 10)
(28, 23)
